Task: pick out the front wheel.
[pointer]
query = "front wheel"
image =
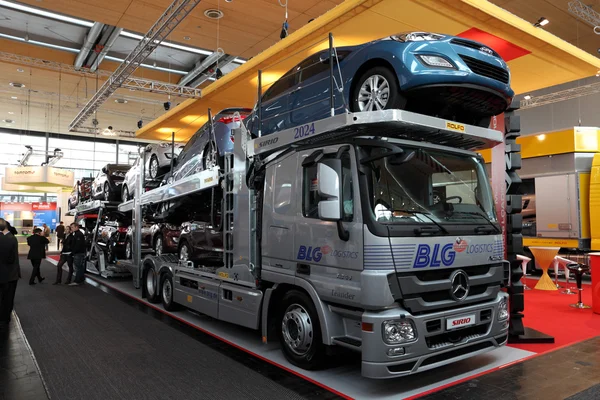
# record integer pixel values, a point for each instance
(106, 192)
(125, 195)
(128, 250)
(154, 167)
(184, 252)
(377, 89)
(167, 291)
(300, 331)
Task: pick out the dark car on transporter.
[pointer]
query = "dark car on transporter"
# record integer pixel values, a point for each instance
(82, 191)
(162, 238)
(107, 184)
(439, 75)
(112, 235)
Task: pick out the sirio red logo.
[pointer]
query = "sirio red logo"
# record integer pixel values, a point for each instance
(462, 321)
(325, 249)
(460, 245)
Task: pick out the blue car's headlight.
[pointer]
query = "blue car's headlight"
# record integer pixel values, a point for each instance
(435, 61)
(417, 37)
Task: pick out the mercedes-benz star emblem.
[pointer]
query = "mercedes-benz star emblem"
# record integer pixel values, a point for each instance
(459, 289)
(486, 50)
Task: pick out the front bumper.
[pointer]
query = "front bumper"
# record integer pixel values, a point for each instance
(435, 346)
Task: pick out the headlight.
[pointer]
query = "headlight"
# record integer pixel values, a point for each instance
(396, 332)
(503, 309)
(436, 61)
(417, 37)
(164, 145)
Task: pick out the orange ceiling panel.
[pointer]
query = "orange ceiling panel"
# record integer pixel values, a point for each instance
(538, 58)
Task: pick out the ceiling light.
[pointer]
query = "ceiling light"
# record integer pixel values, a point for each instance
(542, 22)
(13, 97)
(174, 71)
(527, 97)
(186, 38)
(121, 101)
(212, 13)
(11, 113)
(8, 121)
(17, 85)
(541, 137)
(20, 70)
(44, 13)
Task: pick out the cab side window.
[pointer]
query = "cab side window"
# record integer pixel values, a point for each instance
(311, 197)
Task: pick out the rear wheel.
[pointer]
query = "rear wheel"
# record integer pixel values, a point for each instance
(106, 192)
(167, 291)
(377, 89)
(151, 286)
(125, 194)
(210, 156)
(128, 250)
(154, 167)
(300, 331)
(110, 253)
(158, 246)
(184, 252)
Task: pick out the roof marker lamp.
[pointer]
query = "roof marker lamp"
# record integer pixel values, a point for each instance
(541, 22)
(435, 61)
(399, 331)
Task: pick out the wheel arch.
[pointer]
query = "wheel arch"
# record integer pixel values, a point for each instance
(276, 293)
(367, 65)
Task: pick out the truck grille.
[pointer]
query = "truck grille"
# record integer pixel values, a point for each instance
(485, 69)
(429, 291)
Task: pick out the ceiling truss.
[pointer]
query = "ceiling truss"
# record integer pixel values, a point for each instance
(562, 95)
(174, 14)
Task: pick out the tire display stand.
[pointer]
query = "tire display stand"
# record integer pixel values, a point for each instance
(518, 332)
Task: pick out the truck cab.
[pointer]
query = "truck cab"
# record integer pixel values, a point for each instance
(400, 239)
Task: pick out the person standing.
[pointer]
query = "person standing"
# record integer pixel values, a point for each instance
(60, 235)
(65, 257)
(37, 252)
(10, 272)
(78, 253)
(46, 233)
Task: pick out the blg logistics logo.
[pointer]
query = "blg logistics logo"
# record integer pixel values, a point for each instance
(310, 253)
(438, 255)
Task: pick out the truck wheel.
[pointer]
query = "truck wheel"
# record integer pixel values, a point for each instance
(300, 331)
(151, 286)
(167, 292)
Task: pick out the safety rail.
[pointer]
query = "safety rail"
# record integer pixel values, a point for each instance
(93, 205)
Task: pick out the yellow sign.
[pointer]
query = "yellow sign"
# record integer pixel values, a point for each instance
(189, 298)
(224, 275)
(550, 242)
(455, 126)
(207, 180)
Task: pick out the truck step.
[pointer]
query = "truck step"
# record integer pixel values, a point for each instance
(352, 343)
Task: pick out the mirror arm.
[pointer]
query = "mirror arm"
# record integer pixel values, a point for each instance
(342, 232)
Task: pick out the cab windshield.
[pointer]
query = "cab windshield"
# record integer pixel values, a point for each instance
(409, 186)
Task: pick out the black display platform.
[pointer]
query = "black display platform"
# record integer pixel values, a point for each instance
(531, 336)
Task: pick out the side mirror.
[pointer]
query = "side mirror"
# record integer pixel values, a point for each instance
(78, 182)
(104, 170)
(328, 186)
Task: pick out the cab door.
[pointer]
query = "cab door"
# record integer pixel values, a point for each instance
(330, 259)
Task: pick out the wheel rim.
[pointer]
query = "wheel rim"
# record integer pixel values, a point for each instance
(153, 168)
(210, 157)
(159, 247)
(125, 194)
(374, 93)
(150, 289)
(297, 329)
(106, 193)
(184, 253)
(167, 291)
(436, 199)
(128, 250)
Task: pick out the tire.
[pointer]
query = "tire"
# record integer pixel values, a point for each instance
(70, 205)
(158, 246)
(110, 253)
(106, 192)
(299, 331)
(209, 159)
(153, 167)
(166, 292)
(151, 286)
(389, 96)
(128, 250)
(184, 250)
(125, 194)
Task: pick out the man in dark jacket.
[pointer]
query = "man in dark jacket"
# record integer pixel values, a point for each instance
(60, 235)
(10, 272)
(65, 257)
(37, 252)
(78, 254)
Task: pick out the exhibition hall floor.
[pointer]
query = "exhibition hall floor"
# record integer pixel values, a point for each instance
(238, 345)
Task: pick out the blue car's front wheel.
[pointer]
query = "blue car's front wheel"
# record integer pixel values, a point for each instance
(377, 89)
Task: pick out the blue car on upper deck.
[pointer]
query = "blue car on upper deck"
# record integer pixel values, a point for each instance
(438, 75)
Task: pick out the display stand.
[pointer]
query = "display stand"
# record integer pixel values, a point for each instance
(512, 221)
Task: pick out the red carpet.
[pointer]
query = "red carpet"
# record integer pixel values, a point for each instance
(54, 257)
(550, 313)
